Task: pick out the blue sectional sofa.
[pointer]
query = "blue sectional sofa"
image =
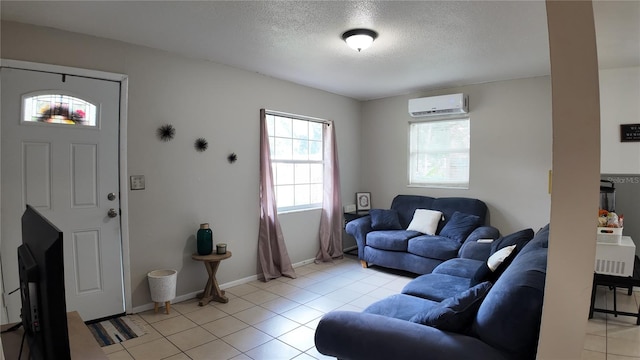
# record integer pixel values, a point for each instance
(388, 243)
(493, 320)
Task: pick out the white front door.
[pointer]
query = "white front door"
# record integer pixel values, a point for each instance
(60, 155)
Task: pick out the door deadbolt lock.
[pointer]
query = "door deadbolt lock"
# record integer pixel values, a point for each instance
(111, 196)
(112, 213)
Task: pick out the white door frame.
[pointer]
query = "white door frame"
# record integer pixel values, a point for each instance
(122, 154)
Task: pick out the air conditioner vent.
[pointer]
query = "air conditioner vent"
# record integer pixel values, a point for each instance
(611, 267)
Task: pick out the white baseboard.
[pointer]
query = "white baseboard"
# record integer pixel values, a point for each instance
(303, 263)
(189, 296)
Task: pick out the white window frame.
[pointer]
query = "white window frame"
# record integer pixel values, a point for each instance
(414, 179)
(275, 161)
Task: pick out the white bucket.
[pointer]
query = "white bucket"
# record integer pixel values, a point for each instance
(162, 284)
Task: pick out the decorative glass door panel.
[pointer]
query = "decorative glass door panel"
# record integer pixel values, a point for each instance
(58, 109)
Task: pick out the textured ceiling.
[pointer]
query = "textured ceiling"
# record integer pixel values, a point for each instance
(421, 45)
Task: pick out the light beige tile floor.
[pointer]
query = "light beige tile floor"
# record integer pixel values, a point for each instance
(277, 319)
(273, 320)
(610, 337)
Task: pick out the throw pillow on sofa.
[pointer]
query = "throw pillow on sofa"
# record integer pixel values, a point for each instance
(455, 313)
(460, 226)
(517, 241)
(425, 221)
(519, 238)
(494, 266)
(382, 219)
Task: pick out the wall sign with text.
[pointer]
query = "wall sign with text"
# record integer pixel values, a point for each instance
(629, 132)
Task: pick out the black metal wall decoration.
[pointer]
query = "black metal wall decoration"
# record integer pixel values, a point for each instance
(201, 144)
(232, 158)
(166, 132)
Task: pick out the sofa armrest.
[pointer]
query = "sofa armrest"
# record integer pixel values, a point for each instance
(359, 228)
(472, 249)
(352, 335)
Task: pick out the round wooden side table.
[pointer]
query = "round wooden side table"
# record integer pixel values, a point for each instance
(212, 291)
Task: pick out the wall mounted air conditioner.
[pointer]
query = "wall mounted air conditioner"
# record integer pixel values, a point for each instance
(439, 105)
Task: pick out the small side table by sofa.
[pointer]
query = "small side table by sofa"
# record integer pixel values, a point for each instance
(350, 216)
(212, 290)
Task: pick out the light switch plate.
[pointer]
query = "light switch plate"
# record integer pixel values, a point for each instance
(136, 182)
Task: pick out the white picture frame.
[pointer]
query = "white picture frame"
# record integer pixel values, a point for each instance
(363, 201)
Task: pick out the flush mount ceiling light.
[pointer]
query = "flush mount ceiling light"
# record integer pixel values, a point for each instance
(359, 39)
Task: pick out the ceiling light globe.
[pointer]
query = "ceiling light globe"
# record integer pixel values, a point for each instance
(359, 39)
(359, 42)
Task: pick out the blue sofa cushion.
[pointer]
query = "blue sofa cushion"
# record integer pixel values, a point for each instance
(518, 238)
(406, 205)
(436, 287)
(449, 205)
(542, 237)
(400, 306)
(495, 265)
(460, 226)
(513, 308)
(434, 246)
(395, 240)
(384, 219)
(456, 313)
(461, 267)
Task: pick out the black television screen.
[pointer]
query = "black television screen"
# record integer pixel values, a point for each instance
(41, 270)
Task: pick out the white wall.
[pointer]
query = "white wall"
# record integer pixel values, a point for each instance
(183, 187)
(510, 150)
(619, 104)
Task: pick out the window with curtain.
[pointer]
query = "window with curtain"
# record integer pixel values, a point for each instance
(439, 153)
(296, 146)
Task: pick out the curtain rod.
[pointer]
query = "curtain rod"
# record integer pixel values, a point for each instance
(298, 117)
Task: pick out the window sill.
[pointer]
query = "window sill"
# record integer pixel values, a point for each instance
(463, 187)
(293, 211)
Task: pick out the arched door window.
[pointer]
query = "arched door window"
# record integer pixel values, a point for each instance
(58, 109)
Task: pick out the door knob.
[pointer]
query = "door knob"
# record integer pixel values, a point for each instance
(112, 213)
(111, 196)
